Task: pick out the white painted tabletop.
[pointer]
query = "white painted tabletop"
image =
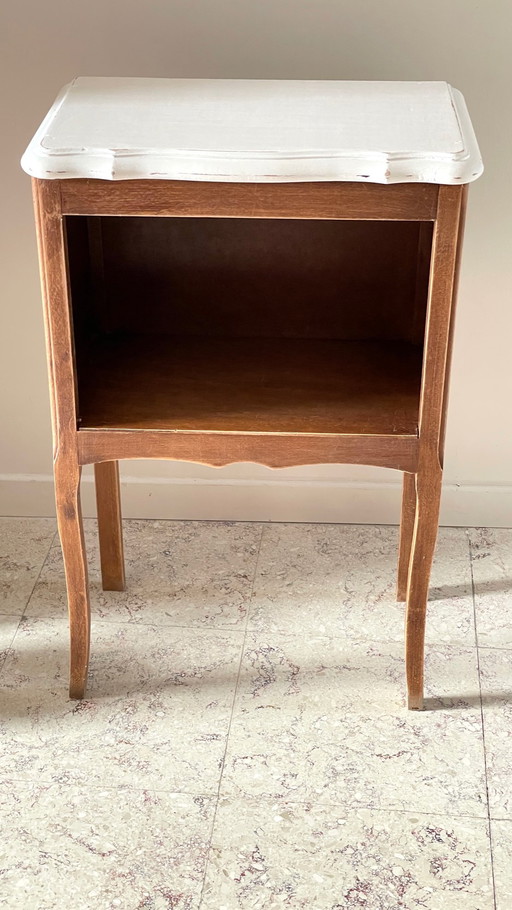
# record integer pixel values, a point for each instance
(256, 130)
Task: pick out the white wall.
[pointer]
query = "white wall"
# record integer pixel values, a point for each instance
(466, 42)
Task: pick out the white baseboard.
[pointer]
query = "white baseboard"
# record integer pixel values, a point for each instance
(348, 502)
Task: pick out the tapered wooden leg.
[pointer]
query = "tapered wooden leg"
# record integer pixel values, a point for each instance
(406, 532)
(428, 497)
(110, 530)
(69, 519)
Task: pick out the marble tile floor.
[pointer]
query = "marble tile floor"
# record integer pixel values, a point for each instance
(244, 742)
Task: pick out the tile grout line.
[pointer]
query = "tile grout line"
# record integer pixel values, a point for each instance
(242, 651)
(116, 788)
(433, 645)
(21, 618)
(52, 542)
(482, 719)
(494, 648)
(272, 800)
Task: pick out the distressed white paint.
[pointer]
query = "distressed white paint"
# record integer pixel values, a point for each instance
(256, 130)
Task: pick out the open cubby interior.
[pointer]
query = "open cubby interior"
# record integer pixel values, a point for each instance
(250, 325)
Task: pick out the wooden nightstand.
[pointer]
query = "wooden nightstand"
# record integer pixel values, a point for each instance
(250, 271)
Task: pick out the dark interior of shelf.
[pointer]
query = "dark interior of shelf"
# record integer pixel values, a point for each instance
(248, 324)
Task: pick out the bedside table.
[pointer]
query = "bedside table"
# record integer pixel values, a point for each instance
(250, 270)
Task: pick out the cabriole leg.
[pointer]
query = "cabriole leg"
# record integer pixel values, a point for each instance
(110, 530)
(69, 518)
(428, 497)
(406, 532)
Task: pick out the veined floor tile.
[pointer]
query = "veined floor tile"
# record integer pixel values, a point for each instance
(266, 855)
(181, 573)
(324, 720)
(24, 543)
(496, 681)
(91, 849)
(157, 712)
(502, 856)
(341, 580)
(492, 572)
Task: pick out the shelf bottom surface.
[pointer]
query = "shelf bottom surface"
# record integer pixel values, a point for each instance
(250, 385)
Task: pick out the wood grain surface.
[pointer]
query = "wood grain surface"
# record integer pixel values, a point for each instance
(251, 385)
(110, 530)
(178, 198)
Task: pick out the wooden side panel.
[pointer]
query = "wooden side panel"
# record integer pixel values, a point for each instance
(440, 314)
(446, 390)
(57, 313)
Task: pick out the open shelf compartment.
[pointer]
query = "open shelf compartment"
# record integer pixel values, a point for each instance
(248, 325)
